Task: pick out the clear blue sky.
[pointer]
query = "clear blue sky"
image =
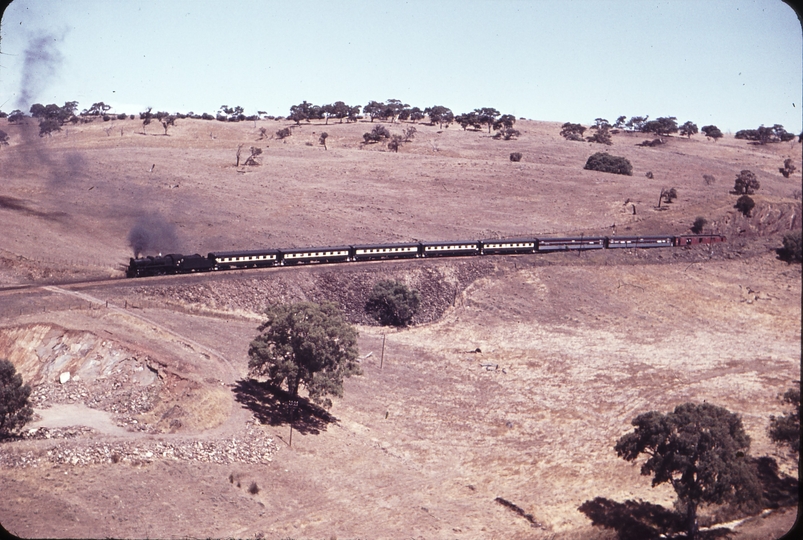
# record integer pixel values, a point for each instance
(733, 63)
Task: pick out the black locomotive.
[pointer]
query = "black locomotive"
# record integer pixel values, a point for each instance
(230, 260)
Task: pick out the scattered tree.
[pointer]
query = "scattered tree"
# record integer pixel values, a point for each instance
(785, 430)
(47, 127)
(306, 344)
(661, 126)
(745, 205)
(322, 139)
(701, 451)
(409, 133)
(698, 225)
(506, 133)
(515, 156)
(746, 183)
(601, 133)
(468, 120)
(416, 114)
(392, 303)
(572, 132)
(487, 116)
(605, 162)
(505, 121)
(395, 142)
(375, 109)
(636, 123)
(620, 122)
(14, 409)
(252, 158)
(788, 168)
(688, 129)
(302, 112)
(765, 135)
(376, 135)
(440, 115)
(712, 132)
(15, 116)
(793, 248)
(167, 121)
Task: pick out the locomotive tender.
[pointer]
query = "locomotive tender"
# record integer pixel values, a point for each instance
(230, 260)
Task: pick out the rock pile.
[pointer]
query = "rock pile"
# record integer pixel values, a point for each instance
(253, 447)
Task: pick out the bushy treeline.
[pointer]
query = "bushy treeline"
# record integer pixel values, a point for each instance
(765, 135)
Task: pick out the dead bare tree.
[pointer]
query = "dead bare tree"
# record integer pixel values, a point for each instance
(239, 150)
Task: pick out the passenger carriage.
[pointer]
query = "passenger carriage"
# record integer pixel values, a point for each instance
(692, 240)
(573, 243)
(226, 260)
(374, 252)
(447, 249)
(498, 247)
(615, 242)
(294, 256)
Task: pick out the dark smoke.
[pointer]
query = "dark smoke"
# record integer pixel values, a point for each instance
(42, 59)
(151, 235)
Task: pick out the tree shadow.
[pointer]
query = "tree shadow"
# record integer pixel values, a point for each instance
(270, 405)
(633, 520)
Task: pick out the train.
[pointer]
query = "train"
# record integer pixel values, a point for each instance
(265, 258)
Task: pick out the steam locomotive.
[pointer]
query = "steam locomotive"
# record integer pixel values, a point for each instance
(230, 260)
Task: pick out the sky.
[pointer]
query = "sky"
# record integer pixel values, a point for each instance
(736, 64)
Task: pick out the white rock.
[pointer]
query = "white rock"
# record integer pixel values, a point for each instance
(64, 377)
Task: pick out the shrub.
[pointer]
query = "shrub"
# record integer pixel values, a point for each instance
(515, 156)
(122, 116)
(607, 163)
(709, 179)
(746, 183)
(745, 205)
(376, 135)
(506, 133)
(253, 489)
(3, 138)
(788, 168)
(601, 135)
(283, 133)
(14, 409)
(699, 223)
(46, 127)
(392, 303)
(792, 246)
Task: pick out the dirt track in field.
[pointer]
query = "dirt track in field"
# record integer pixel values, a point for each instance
(573, 346)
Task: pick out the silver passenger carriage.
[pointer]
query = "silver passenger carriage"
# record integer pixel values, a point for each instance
(615, 242)
(572, 243)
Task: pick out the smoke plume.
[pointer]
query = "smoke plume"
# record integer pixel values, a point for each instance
(151, 235)
(40, 64)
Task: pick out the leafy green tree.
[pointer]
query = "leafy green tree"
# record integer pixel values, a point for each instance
(572, 132)
(15, 116)
(661, 126)
(47, 127)
(746, 183)
(636, 123)
(601, 134)
(688, 129)
(604, 162)
(745, 205)
(505, 121)
(487, 116)
(302, 112)
(375, 109)
(306, 344)
(392, 303)
(394, 108)
(712, 132)
(322, 139)
(785, 430)
(416, 114)
(14, 409)
(793, 249)
(440, 115)
(700, 450)
(467, 120)
(620, 122)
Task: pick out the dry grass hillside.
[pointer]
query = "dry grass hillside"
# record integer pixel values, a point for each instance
(160, 433)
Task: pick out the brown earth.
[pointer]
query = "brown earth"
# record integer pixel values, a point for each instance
(161, 433)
